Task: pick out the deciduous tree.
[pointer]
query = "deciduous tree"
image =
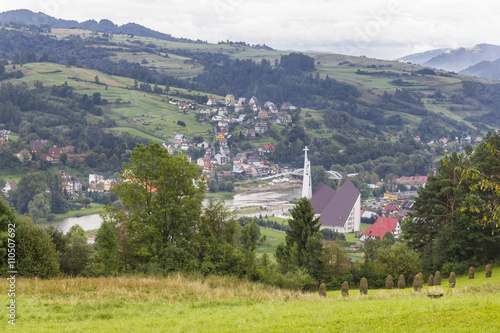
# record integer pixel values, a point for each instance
(162, 194)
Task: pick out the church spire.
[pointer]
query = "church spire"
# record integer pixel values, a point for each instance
(306, 180)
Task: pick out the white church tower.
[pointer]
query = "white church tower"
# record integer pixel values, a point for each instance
(307, 182)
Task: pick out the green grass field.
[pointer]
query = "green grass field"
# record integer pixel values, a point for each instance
(221, 304)
(273, 239)
(123, 102)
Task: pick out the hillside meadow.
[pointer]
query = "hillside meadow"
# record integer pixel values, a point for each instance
(179, 303)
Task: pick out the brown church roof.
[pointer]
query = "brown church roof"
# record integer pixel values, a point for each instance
(335, 207)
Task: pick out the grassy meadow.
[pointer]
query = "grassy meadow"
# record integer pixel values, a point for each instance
(178, 303)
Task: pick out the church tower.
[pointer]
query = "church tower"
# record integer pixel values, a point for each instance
(307, 181)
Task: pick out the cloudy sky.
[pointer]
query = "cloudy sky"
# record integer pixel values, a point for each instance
(385, 29)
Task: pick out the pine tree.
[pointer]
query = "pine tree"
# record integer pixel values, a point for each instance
(303, 242)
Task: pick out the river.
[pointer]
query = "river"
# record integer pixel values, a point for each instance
(278, 199)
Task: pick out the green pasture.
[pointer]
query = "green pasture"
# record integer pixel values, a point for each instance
(273, 239)
(220, 304)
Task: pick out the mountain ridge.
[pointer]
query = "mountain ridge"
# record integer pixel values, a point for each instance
(28, 17)
(464, 60)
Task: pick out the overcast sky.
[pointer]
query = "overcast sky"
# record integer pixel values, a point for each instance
(385, 29)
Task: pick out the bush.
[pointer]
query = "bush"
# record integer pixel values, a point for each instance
(299, 280)
(437, 278)
(430, 281)
(418, 282)
(35, 252)
(471, 273)
(488, 271)
(452, 280)
(389, 282)
(363, 286)
(345, 289)
(322, 290)
(457, 267)
(401, 282)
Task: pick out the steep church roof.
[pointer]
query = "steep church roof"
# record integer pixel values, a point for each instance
(335, 206)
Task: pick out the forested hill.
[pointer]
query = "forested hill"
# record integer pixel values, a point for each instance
(29, 18)
(351, 109)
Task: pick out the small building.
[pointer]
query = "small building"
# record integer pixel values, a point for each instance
(381, 227)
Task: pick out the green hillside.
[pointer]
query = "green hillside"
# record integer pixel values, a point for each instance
(442, 94)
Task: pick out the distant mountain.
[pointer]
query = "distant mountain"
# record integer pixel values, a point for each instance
(422, 57)
(459, 59)
(28, 17)
(487, 69)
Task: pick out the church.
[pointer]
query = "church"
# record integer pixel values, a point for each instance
(339, 211)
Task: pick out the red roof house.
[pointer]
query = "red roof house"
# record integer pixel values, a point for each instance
(380, 227)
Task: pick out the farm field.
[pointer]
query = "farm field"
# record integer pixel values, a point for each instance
(223, 304)
(146, 115)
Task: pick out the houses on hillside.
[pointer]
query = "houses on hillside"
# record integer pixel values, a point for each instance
(97, 183)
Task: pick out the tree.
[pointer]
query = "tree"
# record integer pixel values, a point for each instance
(107, 246)
(303, 242)
(7, 219)
(335, 263)
(399, 260)
(35, 253)
(216, 239)
(39, 206)
(29, 186)
(482, 168)
(163, 195)
(77, 253)
(448, 223)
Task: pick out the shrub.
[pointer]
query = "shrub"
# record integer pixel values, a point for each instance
(363, 286)
(418, 282)
(401, 282)
(488, 271)
(322, 290)
(389, 282)
(345, 289)
(452, 280)
(430, 281)
(437, 278)
(471, 273)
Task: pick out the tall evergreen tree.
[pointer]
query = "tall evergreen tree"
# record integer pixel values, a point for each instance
(303, 242)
